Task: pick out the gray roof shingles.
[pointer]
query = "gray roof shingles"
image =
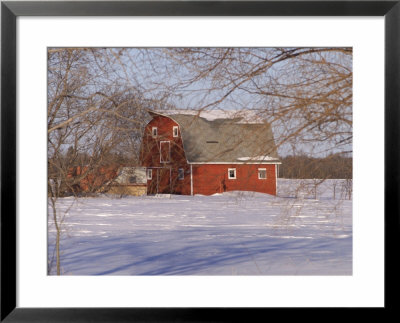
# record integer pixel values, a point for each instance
(225, 140)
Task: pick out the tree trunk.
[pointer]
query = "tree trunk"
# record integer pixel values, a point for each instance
(58, 252)
(58, 236)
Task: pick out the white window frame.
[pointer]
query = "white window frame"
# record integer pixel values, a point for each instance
(260, 169)
(169, 151)
(177, 131)
(229, 170)
(181, 174)
(152, 132)
(149, 174)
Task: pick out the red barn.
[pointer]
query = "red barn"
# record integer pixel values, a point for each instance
(206, 153)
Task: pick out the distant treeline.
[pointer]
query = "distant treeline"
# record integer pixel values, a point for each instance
(333, 166)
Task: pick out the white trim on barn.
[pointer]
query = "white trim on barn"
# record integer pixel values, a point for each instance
(235, 163)
(229, 173)
(175, 128)
(169, 151)
(260, 170)
(154, 134)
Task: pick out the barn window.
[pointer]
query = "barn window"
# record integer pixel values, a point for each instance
(181, 173)
(149, 174)
(232, 173)
(175, 131)
(262, 173)
(154, 131)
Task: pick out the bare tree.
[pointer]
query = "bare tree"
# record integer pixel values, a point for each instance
(95, 117)
(306, 93)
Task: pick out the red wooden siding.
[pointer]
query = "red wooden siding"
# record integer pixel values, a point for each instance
(210, 179)
(90, 180)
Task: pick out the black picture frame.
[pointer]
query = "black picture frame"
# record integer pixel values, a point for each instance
(10, 10)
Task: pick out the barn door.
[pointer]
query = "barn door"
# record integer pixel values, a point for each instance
(152, 186)
(164, 183)
(165, 152)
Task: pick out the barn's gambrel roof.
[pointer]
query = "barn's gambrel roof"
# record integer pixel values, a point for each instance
(224, 140)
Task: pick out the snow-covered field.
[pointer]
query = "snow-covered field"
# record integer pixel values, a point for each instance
(233, 233)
